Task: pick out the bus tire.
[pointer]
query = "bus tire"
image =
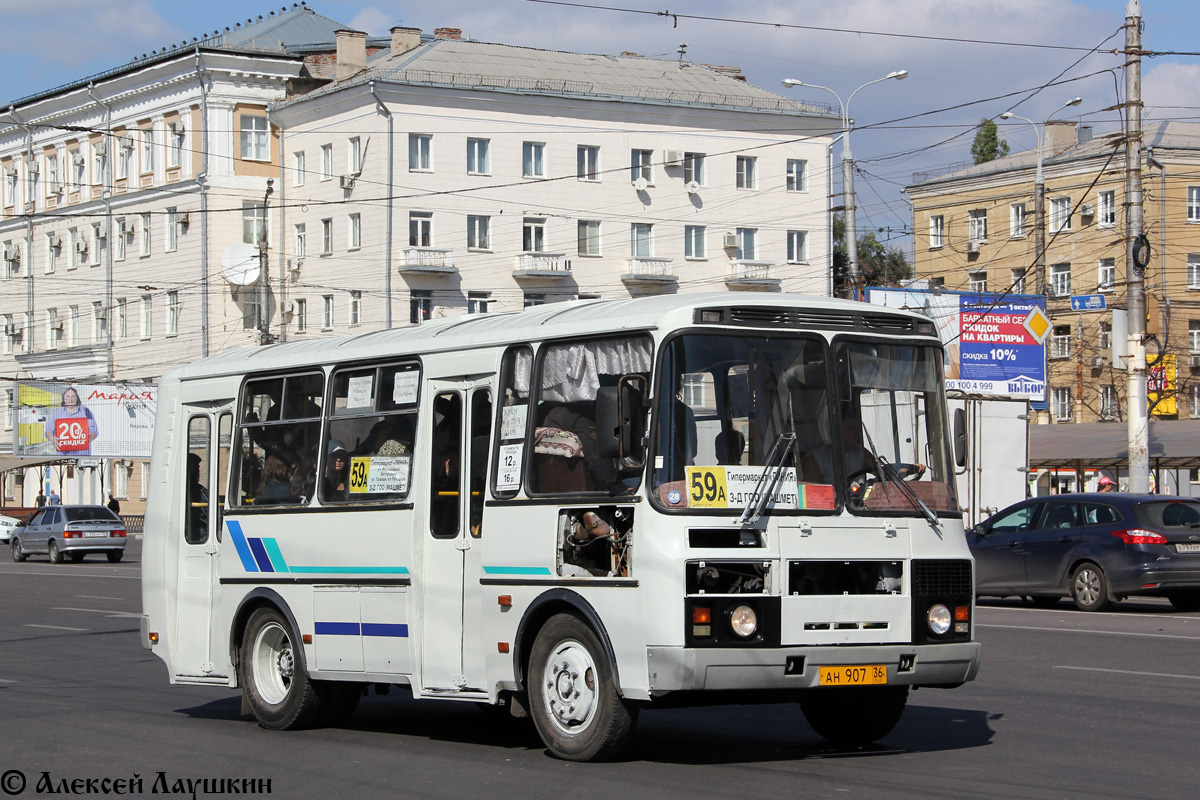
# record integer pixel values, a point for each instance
(271, 671)
(573, 696)
(853, 716)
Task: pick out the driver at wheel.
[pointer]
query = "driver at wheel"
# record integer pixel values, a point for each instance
(817, 465)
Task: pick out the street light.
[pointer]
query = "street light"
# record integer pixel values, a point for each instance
(848, 166)
(1039, 195)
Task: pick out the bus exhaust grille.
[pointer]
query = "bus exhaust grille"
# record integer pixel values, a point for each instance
(932, 578)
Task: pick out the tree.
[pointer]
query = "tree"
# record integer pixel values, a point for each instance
(988, 145)
(878, 264)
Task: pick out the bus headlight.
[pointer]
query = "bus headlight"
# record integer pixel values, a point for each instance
(743, 621)
(939, 618)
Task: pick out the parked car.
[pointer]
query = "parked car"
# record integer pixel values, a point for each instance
(1094, 548)
(7, 526)
(70, 531)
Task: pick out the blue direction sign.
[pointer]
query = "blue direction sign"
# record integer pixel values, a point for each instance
(1088, 302)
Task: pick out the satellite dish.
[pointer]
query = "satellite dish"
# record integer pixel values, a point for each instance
(640, 184)
(240, 264)
(693, 187)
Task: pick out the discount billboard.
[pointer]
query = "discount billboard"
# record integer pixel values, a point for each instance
(994, 343)
(56, 418)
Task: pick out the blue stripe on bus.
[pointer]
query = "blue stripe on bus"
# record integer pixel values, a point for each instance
(353, 570)
(239, 541)
(276, 555)
(336, 628)
(516, 571)
(384, 629)
(260, 555)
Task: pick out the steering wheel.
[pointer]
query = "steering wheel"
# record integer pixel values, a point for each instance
(899, 470)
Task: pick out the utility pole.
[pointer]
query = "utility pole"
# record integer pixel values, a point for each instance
(264, 334)
(1137, 254)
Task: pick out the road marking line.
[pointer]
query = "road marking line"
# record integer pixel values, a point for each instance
(54, 627)
(1084, 630)
(97, 611)
(1132, 672)
(1072, 610)
(2, 680)
(98, 597)
(70, 574)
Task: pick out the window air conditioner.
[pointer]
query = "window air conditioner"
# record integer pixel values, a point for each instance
(78, 160)
(672, 158)
(1087, 210)
(346, 181)
(1099, 362)
(1194, 362)
(81, 247)
(10, 170)
(125, 226)
(288, 307)
(731, 240)
(33, 168)
(57, 325)
(55, 241)
(183, 218)
(973, 246)
(98, 148)
(101, 233)
(10, 329)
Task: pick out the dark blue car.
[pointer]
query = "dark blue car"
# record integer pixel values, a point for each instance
(1096, 548)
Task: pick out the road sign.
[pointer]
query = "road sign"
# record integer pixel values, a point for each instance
(1088, 302)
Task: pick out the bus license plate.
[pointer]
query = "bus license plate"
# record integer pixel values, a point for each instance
(860, 675)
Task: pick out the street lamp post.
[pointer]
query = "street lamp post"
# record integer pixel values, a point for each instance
(848, 167)
(1039, 196)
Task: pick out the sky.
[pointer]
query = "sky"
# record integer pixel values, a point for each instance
(966, 59)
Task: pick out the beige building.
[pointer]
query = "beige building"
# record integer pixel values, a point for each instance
(974, 230)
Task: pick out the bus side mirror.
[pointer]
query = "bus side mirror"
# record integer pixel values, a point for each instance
(620, 420)
(960, 437)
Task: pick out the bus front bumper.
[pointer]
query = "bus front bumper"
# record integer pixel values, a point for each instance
(674, 669)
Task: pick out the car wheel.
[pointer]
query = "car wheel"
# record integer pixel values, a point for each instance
(1185, 601)
(115, 555)
(1089, 588)
(17, 553)
(53, 552)
(853, 716)
(272, 674)
(1045, 601)
(575, 704)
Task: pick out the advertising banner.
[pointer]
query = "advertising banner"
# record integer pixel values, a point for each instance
(1161, 386)
(994, 345)
(103, 420)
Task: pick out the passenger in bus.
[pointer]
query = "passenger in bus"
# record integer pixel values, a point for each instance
(197, 502)
(275, 486)
(304, 477)
(335, 483)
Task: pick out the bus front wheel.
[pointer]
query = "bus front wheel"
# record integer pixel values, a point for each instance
(272, 674)
(575, 704)
(853, 716)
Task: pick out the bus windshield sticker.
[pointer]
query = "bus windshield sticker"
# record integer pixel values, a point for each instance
(358, 391)
(508, 472)
(380, 474)
(733, 487)
(512, 422)
(404, 390)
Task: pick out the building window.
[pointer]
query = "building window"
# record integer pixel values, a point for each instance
(797, 175)
(477, 157)
(254, 222)
(298, 168)
(120, 480)
(1108, 402)
(746, 240)
(420, 307)
(1104, 339)
(1194, 270)
(121, 229)
(78, 170)
(420, 229)
(693, 168)
(355, 231)
(1060, 403)
(1017, 280)
(300, 320)
(937, 231)
(124, 156)
(1016, 220)
(589, 237)
(694, 242)
(147, 316)
(172, 313)
(301, 248)
(978, 281)
(1060, 214)
(531, 300)
(79, 248)
(54, 328)
(641, 245)
(1194, 335)
(120, 326)
(1106, 209)
(478, 302)
(145, 230)
(326, 162)
(420, 152)
(533, 160)
(797, 247)
(587, 162)
(172, 230)
(533, 234)
(326, 236)
(327, 312)
(52, 182)
(174, 144)
(479, 235)
(1060, 342)
(1193, 204)
(99, 323)
(745, 172)
(354, 155)
(1060, 280)
(10, 333)
(72, 326)
(147, 135)
(1108, 274)
(254, 137)
(355, 308)
(639, 165)
(977, 225)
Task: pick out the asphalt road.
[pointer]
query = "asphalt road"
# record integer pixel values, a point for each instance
(1066, 705)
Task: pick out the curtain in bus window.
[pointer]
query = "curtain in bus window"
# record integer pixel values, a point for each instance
(572, 372)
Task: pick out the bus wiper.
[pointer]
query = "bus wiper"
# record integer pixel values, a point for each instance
(773, 471)
(885, 466)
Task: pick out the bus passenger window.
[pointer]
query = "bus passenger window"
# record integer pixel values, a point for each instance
(481, 424)
(279, 440)
(512, 421)
(445, 474)
(195, 518)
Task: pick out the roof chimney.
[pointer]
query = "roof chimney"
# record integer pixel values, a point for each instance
(447, 33)
(405, 39)
(1060, 135)
(351, 53)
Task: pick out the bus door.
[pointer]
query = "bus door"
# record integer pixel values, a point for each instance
(458, 427)
(209, 434)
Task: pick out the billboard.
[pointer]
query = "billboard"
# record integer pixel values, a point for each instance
(994, 343)
(94, 420)
(1161, 380)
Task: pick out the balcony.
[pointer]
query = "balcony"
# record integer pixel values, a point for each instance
(426, 261)
(649, 271)
(754, 276)
(532, 264)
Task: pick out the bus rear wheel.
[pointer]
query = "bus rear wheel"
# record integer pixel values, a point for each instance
(271, 671)
(573, 696)
(853, 716)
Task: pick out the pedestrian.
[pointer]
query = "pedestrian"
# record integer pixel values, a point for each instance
(54, 498)
(114, 505)
(41, 498)
(1106, 484)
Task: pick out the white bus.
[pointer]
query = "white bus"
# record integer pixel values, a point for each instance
(577, 511)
